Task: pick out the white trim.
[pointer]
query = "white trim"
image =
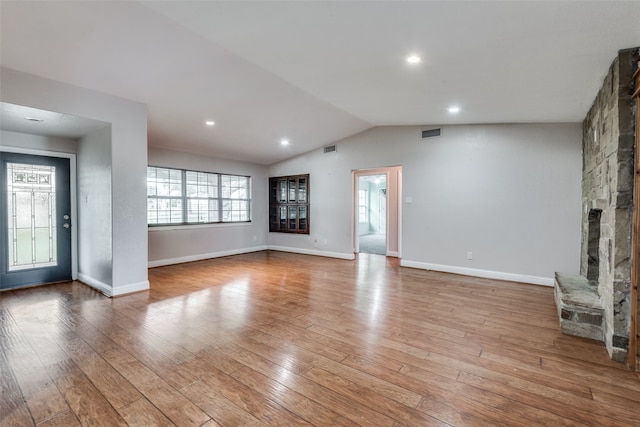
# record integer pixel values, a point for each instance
(340, 255)
(72, 194)
(400, 212)
(192, 226)
(355, 218)
(108, 290)
(392, 253)
(199, 257)
(488, 274)
(131, 288)
(96, 284)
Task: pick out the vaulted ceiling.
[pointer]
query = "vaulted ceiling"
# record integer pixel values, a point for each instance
(318, 71)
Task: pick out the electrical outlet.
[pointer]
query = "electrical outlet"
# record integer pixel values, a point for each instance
(315, 243)
(469, 255)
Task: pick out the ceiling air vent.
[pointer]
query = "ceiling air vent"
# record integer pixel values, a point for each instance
(431, 132)
(330, 148)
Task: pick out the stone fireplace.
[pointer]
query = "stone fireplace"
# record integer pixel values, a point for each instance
(597, 304)
(607, 194)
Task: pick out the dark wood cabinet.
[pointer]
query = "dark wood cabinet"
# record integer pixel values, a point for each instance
(289, 204)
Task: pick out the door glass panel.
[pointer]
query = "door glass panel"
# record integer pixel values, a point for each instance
(283, 191)
(302, 217)
(31, 225)
(283, 217)
(292, 217)
(302, 190)
(292, 190)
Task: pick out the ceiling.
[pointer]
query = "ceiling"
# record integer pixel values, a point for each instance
(315, 72)
(22, 119)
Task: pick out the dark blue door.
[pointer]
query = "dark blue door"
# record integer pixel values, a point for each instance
(35, 220)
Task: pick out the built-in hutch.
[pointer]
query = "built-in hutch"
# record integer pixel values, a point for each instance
(289, 204)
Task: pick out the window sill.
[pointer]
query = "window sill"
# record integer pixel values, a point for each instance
(192, 226)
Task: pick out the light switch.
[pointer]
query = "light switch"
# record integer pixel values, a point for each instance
(408, 200)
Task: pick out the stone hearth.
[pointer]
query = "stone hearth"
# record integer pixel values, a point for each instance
(580, 310)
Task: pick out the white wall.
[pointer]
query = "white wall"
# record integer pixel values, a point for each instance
(128, 162)
(95, 246)
(508, 193)
(170, 245)
(38, 142)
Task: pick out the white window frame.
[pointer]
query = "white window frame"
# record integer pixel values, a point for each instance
(239, 199)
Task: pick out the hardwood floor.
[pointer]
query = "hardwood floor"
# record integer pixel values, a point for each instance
(280, 339)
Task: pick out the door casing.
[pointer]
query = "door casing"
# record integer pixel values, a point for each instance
(355, 174)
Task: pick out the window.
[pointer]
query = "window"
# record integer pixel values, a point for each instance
(176, 196)
(289, 204)
(363, 206)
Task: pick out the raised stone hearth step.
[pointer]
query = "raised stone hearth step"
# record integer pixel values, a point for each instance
(579, 307)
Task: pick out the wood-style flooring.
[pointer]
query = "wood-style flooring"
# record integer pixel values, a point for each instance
(282, 339)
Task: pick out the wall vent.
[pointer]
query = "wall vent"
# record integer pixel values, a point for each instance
(330, 148)
(431, 132)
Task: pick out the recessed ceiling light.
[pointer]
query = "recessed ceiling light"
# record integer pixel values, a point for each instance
(209, 123)
(454, 109)
(284, 141)
(413, 59)
(34, 119)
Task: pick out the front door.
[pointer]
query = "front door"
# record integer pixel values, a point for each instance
(35, 220)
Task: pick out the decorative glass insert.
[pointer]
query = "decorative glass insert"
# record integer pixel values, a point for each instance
(31, 202)
(176, 196)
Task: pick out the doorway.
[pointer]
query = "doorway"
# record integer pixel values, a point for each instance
(35, 220)
(376, 226)
(372, 214)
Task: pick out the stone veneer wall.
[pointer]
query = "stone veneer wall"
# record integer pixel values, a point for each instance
(607, 185)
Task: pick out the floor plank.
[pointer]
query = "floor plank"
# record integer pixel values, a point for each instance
(272, 338)
(142, 413)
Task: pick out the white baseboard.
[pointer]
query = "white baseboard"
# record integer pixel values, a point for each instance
(131, 288)
(108, 290)
(313, 252)
(487, 274)
(199, 257)
(96, 284)
(392, 253)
